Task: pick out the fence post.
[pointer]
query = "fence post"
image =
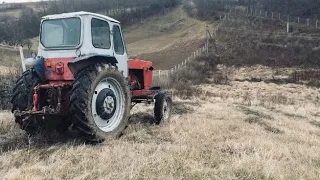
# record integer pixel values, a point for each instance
(288, 27)
(159, 74)
(308, 22)
(298, 20)
(266, 13)
(260, 12)
(317, 23)
(22, 59)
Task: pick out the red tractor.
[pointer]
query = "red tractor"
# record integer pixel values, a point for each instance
(82, 78)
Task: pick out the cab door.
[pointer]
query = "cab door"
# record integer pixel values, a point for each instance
(120, 52)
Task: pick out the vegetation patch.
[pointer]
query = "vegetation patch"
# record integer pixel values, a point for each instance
(315, 123)
(258, 120)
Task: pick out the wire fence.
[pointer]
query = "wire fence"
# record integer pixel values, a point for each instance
(310, 22)
(166, 73)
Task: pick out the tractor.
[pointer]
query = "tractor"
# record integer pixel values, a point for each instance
(82, 79)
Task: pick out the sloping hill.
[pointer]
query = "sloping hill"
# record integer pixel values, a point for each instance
(165, 39)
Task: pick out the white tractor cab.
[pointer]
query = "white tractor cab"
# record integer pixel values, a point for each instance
(65, 36)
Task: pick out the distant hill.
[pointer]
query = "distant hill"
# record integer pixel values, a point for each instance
(14, 9)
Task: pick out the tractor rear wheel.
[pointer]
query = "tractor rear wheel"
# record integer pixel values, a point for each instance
(22, 99)
(100, 103)
(162, 107)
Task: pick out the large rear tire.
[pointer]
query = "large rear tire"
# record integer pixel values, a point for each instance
(22, 99)
(100, 103)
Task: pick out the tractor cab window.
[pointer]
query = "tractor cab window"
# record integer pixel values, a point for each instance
(100, 32)
(118, 41)
(60, 33)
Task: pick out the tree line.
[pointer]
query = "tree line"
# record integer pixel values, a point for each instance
(15, 31)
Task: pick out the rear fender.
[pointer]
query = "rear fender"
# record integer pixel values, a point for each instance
(82, 62)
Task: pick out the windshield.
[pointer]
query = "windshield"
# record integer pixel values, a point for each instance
(58, 33)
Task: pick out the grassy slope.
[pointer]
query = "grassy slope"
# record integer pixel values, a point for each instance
(237, 131)
(167, 39)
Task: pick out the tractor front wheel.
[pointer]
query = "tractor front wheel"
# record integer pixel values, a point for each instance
(162, 108)
(100, 103)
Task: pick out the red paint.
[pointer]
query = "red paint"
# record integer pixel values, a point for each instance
(35, 99)
(145, 66)
(56, 69)
(59, 68)
(57, 83)
(144, 92)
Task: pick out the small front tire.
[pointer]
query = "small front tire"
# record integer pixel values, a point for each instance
(162, 108)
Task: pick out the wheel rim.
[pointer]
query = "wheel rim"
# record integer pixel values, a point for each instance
(166, 110)
(108, 104)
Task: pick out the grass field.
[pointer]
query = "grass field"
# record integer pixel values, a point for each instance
(243, 130)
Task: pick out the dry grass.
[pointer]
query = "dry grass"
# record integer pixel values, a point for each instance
(238, 131)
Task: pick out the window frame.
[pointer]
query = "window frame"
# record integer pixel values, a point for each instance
(123, 44)
(110, 44)
(63, 47)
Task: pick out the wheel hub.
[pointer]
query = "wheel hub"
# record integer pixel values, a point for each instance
(109, 104)
(106, 104)
(166, 111)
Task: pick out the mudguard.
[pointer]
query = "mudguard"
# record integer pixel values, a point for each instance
(81, 62)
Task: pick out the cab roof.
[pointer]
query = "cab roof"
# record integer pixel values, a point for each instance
(77, 14)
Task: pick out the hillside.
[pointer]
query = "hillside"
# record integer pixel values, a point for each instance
(17, 12)
(167, 39)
